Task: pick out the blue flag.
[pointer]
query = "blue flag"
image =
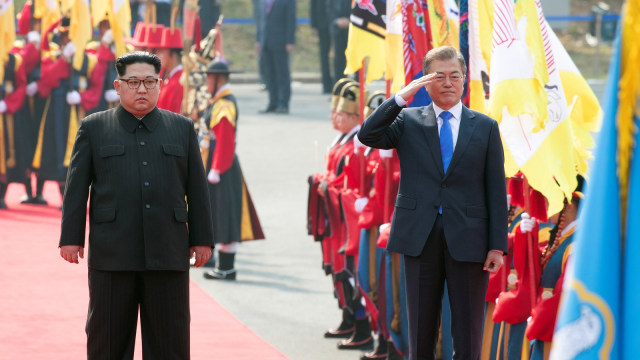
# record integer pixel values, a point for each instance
(589, 314)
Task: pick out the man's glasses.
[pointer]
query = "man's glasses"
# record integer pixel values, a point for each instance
(135, 83)
(454, 78)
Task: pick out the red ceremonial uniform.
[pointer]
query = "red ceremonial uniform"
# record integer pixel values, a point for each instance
(172, 92)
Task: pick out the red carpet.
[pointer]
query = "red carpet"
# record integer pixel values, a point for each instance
(43, 299)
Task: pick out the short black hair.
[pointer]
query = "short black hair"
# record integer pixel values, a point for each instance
(135, 57)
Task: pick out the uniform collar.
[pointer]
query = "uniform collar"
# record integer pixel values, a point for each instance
(130, 122)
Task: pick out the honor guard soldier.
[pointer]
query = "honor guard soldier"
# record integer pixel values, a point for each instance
(231, 205)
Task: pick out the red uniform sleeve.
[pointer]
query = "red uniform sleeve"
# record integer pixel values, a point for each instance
(225, 146)
(15, 100)
(91, 96)
(515, 306)
(51, 73)
(30, 57)
(545, 314)
(171, 94)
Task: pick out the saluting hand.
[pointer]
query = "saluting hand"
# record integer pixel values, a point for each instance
(71, 253)
(408, 91)
(203, 253)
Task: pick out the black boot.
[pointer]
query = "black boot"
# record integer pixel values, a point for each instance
(392, 352)
(28, 198)
(361, 338)
(39, 199)
(3, 192)
(225, 270)
(380, 352)
(345, 329)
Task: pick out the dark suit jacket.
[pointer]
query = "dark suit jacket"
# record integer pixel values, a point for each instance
(143, 176)
(276, 28)
(319, 14)
(472, 193)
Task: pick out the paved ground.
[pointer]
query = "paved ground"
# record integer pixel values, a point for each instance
(281, 292)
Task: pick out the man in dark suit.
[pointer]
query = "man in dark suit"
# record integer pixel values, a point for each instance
(450, 218)
(275, 37)
(319, 17)
(143, 169)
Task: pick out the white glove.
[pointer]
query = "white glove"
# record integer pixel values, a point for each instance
(69, 50)
(357, 145)
(361, 203)
(107, 38)
(508, 200)
(3, 107)
(204, 143)
(32, 88)
(386, 153)
(213, 177)
(33, 37)
(111, 96)
(527, 223)
(73, 98)
(382, 227)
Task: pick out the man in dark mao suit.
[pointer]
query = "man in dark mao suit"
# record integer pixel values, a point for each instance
(450, 218)
(148, 213)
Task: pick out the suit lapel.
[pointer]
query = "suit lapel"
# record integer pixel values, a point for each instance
(467, 125)
(431, 133)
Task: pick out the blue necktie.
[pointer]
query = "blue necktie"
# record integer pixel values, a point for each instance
(446, 139)
(446, 143)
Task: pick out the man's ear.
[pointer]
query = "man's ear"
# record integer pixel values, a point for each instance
(116, 85)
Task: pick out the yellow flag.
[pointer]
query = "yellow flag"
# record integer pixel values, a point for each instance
(48, 12)
(542, 134)
(367, 31)
(120, 21)
(444, 23)
(80, 30)
(393, 46)
(7, 32)
(480, 31)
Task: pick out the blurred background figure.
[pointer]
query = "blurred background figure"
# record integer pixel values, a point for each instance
(319, 16)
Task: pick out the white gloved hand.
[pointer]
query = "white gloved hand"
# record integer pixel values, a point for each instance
(214, 176)
(111, 96)
(3, 107)
(73, 98)
(205, 143)
(527, 223)
(32, 88)
(361, 203)
(386, 153)
(382, 227)
(357, 145)
(107, 38)
(69, 50)
(508, 200)
(33, 37)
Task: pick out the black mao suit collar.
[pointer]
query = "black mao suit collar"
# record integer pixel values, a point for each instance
(130, 122)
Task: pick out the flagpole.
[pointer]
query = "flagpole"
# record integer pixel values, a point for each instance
(527, 209)
(361, 157)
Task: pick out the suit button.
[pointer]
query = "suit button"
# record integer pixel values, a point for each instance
(443, 185)
(145, 163)
(146, 183)
(141, 143)
(147, 206)
(139, 126)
